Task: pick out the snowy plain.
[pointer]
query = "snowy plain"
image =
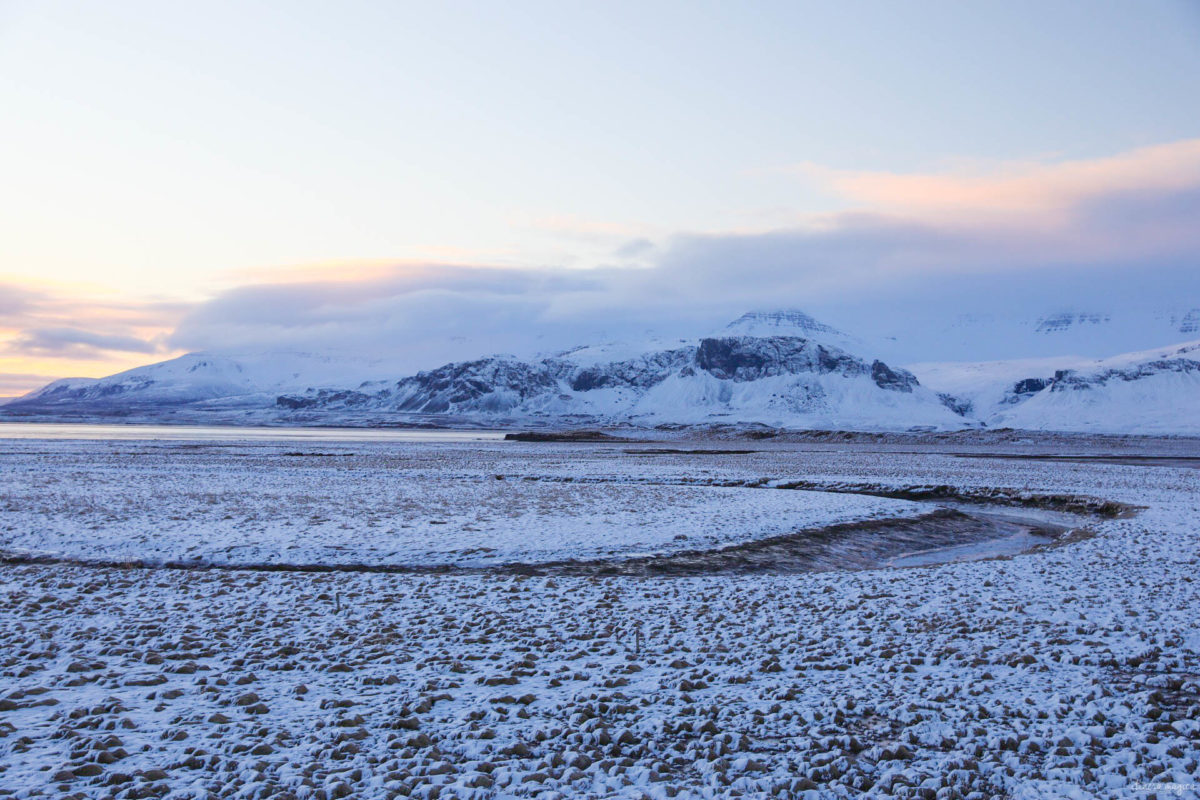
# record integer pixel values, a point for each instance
(1072, 671)
(270, 504)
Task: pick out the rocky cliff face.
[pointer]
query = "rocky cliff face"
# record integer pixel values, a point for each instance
(745, 358)
(488, 385)
(638, 373)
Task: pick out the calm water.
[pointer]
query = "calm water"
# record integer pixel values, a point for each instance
(72, 430)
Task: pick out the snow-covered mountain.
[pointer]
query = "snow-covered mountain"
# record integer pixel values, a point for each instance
(776, 322)
(1150, 392)
(986, 389)
(787, 322)
(780, 368)
(784, 381)
(197, 379)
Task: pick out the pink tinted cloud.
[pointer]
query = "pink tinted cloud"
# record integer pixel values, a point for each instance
(51, 321)
(1027, 193)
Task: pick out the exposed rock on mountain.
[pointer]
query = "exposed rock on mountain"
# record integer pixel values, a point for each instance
(1068, 320)
(1190, 322)
(783, 380)
(641, 372)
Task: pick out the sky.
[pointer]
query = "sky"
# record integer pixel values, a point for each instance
(398, 176)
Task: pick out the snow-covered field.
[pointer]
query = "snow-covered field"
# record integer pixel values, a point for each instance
(381, 506)
(1073, 671)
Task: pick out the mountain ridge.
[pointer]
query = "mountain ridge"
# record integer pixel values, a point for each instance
(779, 367)
(809, 384)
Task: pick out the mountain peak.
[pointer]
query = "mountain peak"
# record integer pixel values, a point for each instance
(794, 323)
(779, 322)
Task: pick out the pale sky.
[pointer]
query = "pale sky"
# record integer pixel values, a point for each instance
(160, 159)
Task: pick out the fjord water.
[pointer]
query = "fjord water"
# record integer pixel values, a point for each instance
(221, 433)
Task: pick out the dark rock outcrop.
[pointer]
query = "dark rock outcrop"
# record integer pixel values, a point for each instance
(960, 407)
(636, 373)
(1030, 386)
(1073, 380)
(897, 380)
(748, 358)
(490, 384)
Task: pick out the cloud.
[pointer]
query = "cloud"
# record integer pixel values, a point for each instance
(1104, 223)
(43, 322)
(415, 315)
(77, 343)
(1025, 192)
(15, 384)
(16, 300)
(1039, 236)
(634, 248)
(1031, 237)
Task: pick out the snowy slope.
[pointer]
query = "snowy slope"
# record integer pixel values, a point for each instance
(591, 355)
(988, 388)
(254, 378)
(905, 335)
(1152, 392)
(788, 322)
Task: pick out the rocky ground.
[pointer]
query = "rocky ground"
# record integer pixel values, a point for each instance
(1073, 671)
